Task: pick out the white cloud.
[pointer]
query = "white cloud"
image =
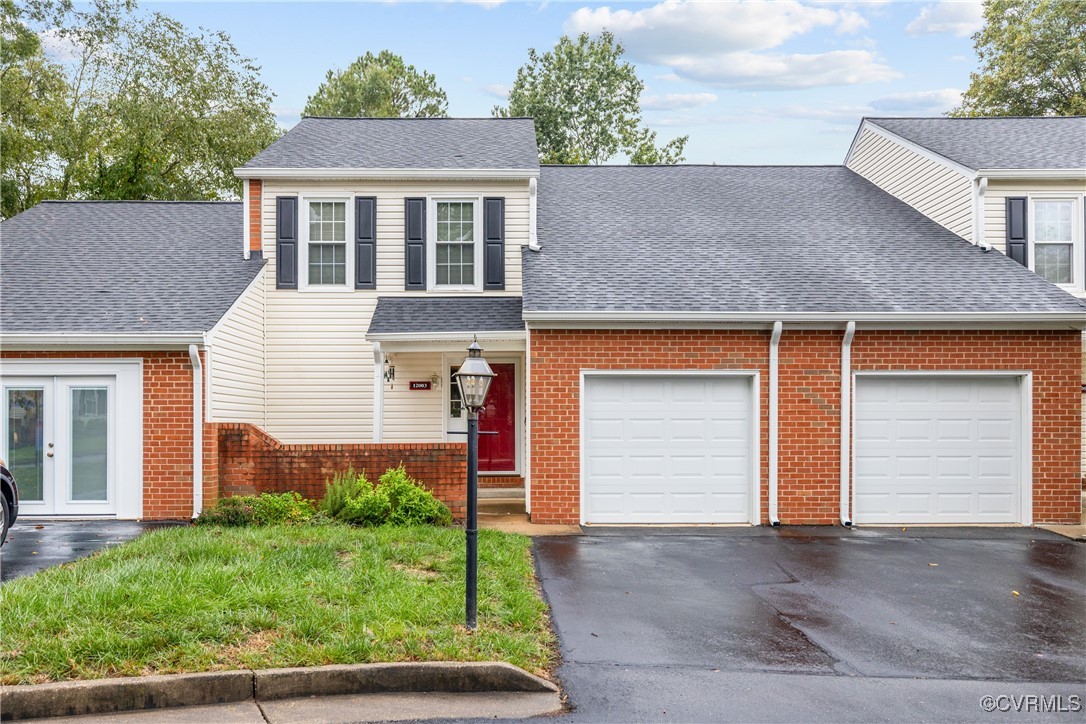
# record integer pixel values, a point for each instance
(488, 4)
(846, 115)
(679, 27)
(961, 17)
(498, 90)
(754, 71)
(717, 43)
(919, 103)
(676, 101)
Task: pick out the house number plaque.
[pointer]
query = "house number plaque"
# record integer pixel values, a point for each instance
(421, 385)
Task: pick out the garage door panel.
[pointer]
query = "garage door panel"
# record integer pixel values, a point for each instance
(667, 449)
(938, 450)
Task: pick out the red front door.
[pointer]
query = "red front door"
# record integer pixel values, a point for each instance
(498, 453)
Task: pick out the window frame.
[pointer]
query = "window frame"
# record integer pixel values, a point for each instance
(1078, 243)
(304, 242)
(431, 241)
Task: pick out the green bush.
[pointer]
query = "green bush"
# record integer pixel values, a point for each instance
(341, 488)
(411, 503)
(372, 507)
(263, 509)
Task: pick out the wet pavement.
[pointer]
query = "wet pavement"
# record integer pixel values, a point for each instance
(820, 624)
(36, 544)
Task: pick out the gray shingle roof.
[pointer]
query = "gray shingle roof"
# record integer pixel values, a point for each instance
(121, 266)
(1011, 143)
(404, 143)
(407, 315)
(757, 239)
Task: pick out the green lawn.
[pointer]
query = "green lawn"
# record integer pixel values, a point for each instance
(207, 598)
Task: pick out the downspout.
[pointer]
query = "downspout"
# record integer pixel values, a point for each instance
(980, 186)
(197, 432)
(774, 365)
(846, 421)
(378, 392)
(533, 239)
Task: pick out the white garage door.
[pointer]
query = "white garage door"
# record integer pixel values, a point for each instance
(938, 450)
(667, 449)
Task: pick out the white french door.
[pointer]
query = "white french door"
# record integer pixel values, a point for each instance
(60, 443)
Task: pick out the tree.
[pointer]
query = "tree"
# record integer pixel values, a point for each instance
(1033, 60)
(380, 86)
(126, 107)
(586, 102)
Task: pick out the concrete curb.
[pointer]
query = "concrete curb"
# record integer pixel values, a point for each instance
(109, 696)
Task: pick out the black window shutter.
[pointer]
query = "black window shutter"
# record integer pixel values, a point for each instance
(1017, 241)
(286, 242)
(365, 242)
(414, 243)
(494, 243)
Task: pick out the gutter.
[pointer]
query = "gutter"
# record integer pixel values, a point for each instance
(846, 422)
(197, 432)
(511, 336)
(533, 238)
(149, 340)
(774, 368)
(1073, 174)
(980, 187)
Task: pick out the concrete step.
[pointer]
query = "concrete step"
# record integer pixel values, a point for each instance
(501, 493)
(501, 505)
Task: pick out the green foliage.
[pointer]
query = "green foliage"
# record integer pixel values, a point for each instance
(123, 106)
(370, 507)
(341, 488)
(1033, 60)
(586, 102)
(379, 85)
(397, 499)
(264, 509)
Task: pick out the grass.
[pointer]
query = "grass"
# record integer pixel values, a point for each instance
(203, 599)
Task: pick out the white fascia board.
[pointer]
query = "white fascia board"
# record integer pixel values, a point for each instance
(391, 174)
(517, 336)
(1033, 174)
(1067, 320)
(29, 341)
(916, 148)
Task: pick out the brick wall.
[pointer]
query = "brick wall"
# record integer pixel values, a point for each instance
(501, 481)
(809, 412)
(167, 428)
(251, 461)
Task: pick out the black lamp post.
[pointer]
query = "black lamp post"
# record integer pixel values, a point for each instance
(474, 378)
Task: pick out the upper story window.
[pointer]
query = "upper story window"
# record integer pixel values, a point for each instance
(326, 251)
(1056, 236)
(455, 249)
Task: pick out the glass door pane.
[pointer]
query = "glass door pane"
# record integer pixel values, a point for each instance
(89, 415)
(25, 411)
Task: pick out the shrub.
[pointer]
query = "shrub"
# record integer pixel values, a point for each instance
(264, 509)
(341, 488)
(372, 507)
(411, 503)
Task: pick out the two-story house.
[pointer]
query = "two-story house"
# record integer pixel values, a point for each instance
(686, 344)
(1015, 184)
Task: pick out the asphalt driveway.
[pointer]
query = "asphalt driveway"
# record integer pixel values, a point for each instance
(819, 624)
(33, 545)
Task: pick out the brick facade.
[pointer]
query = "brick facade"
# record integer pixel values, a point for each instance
(251, 461)
(167, 429)
(809, 407)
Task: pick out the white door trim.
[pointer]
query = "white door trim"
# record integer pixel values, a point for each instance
(450, 360)
(128, 372)
(756, 419)
(1025, 396)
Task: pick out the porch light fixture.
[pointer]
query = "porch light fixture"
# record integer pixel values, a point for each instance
(473, 377)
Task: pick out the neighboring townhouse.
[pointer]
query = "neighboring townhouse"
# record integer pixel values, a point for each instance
(1016, 184)
(107, 313)
(690, 344)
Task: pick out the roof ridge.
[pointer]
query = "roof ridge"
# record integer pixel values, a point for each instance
(138, 201)
(970, 118)
(691, 165)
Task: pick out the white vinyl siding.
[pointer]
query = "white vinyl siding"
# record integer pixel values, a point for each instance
(319, 366)
(414, 415)
(937, 191)
(237, 360)
(995, 203)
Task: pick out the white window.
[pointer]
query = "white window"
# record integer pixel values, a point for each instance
(326, 253)
(1055, 233)
(455, 243)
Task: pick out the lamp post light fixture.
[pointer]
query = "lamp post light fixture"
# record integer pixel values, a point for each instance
(473, 377)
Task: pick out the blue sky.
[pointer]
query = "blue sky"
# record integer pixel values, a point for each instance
(750, 82)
